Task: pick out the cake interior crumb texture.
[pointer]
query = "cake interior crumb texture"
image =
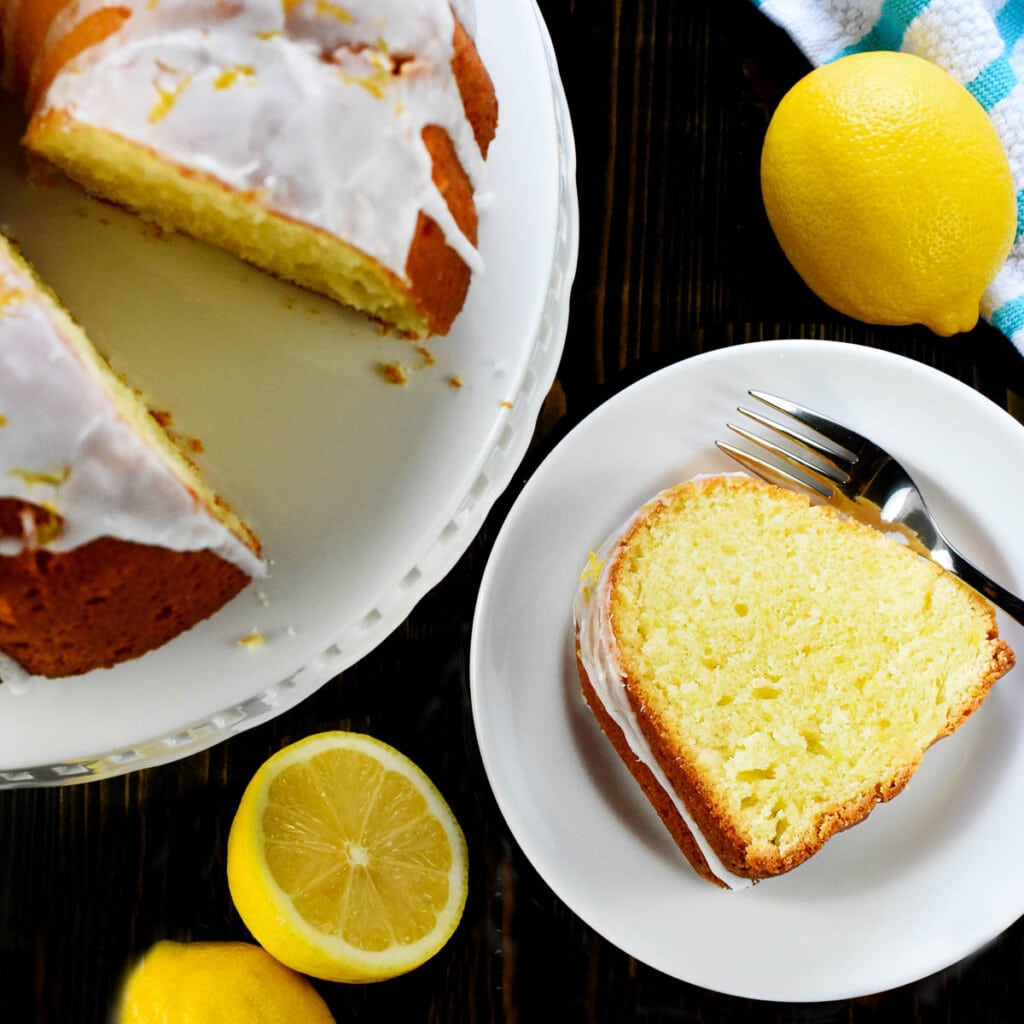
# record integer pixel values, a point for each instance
(798, 664)
(131, 175)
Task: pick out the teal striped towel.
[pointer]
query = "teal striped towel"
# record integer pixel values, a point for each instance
(979, 42)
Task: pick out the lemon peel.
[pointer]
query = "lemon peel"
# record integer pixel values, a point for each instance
(889, 191)
(216, 983)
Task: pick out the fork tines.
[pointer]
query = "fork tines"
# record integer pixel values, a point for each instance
(832, 461)
(842, 438)
(770, 472)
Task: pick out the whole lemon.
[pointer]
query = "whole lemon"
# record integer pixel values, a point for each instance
(216, 983)
(889, 191)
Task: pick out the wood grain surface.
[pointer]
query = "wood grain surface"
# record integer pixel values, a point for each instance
(669, 100)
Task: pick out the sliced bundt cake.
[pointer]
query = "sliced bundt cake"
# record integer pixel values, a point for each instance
(770, 670)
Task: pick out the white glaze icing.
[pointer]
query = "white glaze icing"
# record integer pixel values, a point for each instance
(64, 446)
(599, 653)
(243, 91)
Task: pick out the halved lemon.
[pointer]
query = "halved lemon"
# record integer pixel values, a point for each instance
(344, 861)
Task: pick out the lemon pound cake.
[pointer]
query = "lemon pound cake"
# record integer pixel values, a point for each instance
(110, 542)
(337, 145)
(770, 670)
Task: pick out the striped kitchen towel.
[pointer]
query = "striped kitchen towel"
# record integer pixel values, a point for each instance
(979, 42)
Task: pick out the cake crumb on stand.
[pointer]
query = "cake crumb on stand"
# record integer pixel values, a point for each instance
(394, 373)
(252, 641)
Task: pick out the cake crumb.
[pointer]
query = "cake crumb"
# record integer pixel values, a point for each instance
(42, 175)
(455, 380)
(254, 640)
(394, 373)
(426, 355)
(505, 404)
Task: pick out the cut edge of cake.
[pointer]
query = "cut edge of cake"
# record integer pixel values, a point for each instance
(176, 198)
(74, 594)
(421, 297)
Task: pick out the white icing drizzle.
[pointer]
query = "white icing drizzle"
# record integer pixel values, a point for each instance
(64, 446)
(294, 100)
(599, 653)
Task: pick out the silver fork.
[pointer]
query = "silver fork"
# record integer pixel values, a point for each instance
(861, 479)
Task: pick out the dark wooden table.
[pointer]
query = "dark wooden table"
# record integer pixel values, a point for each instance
(669, 100)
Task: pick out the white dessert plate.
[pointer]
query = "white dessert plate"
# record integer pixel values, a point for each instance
(363, 492)
(929, 877)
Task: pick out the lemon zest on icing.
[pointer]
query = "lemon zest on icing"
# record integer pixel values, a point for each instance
(591, 573)
(375, 83)
(49, 529)
(229, 76)
(334, 11)
(167, 98)
(51, 477)
(10, 297)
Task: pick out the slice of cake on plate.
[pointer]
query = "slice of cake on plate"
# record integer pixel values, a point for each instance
(770, 670)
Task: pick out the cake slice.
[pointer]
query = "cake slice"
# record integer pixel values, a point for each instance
(111, 543)
(337, 146)
(770, 670)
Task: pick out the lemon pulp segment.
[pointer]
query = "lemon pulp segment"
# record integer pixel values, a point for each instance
(358, 850)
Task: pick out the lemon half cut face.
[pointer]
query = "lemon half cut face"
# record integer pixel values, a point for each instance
(344, 861)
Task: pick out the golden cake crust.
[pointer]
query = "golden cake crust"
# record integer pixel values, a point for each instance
(657, 796)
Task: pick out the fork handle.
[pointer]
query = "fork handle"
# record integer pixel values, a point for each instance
(974, 577)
